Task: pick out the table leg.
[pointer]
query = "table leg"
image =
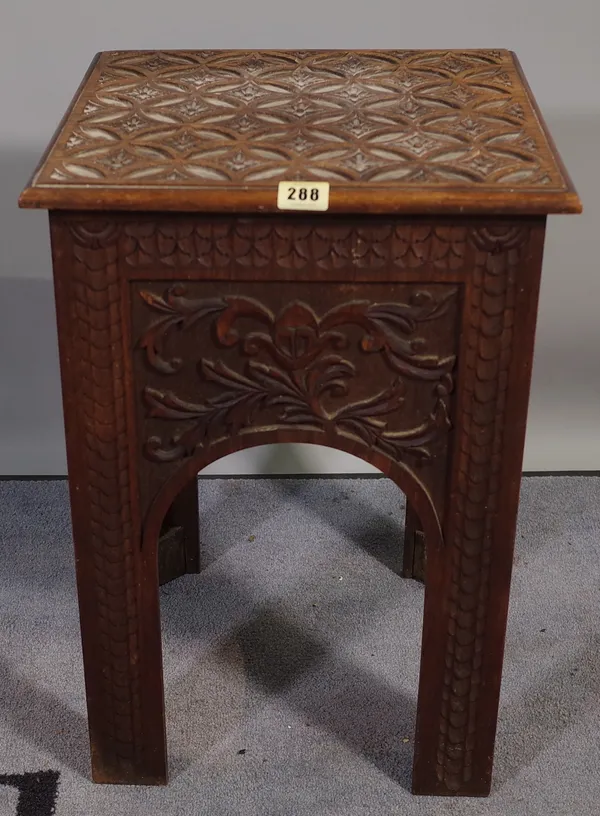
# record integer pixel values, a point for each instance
(414, 547)
(120, 629)
(468, 579)
(179, 543)
(117, 581)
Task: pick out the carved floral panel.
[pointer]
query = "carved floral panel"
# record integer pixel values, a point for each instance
(216, 360)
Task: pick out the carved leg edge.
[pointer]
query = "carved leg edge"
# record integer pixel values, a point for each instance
(117, 583)
(466, 609)
(121, 637)
(120, 630)
(468, 583)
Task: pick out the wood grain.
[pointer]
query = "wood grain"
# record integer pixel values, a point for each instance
(120, 632)
(392, 131)
(396, 327)
(409, 364)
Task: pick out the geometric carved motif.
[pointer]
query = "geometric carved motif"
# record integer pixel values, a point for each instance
(222, 118)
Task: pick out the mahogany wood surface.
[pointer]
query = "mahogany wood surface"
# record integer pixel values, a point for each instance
(392, 131)
(398, 327)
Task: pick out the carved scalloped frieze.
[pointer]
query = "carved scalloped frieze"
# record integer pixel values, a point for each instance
(258, 243)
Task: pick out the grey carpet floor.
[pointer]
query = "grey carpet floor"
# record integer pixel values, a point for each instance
(291, 663)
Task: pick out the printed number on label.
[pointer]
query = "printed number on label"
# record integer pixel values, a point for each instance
(303, 195)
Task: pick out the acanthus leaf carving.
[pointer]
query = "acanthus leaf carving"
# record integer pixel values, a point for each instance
(297, 336)
(179, 312)
(306, 371)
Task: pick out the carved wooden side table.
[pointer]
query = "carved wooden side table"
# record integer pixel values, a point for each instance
(326, 247)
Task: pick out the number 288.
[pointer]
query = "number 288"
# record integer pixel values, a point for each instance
(303, 194)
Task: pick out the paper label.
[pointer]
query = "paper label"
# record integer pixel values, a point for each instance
(303, 195)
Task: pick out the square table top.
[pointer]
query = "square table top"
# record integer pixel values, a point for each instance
(390, 131)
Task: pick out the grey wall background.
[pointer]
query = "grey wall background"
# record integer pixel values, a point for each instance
(45, 49)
